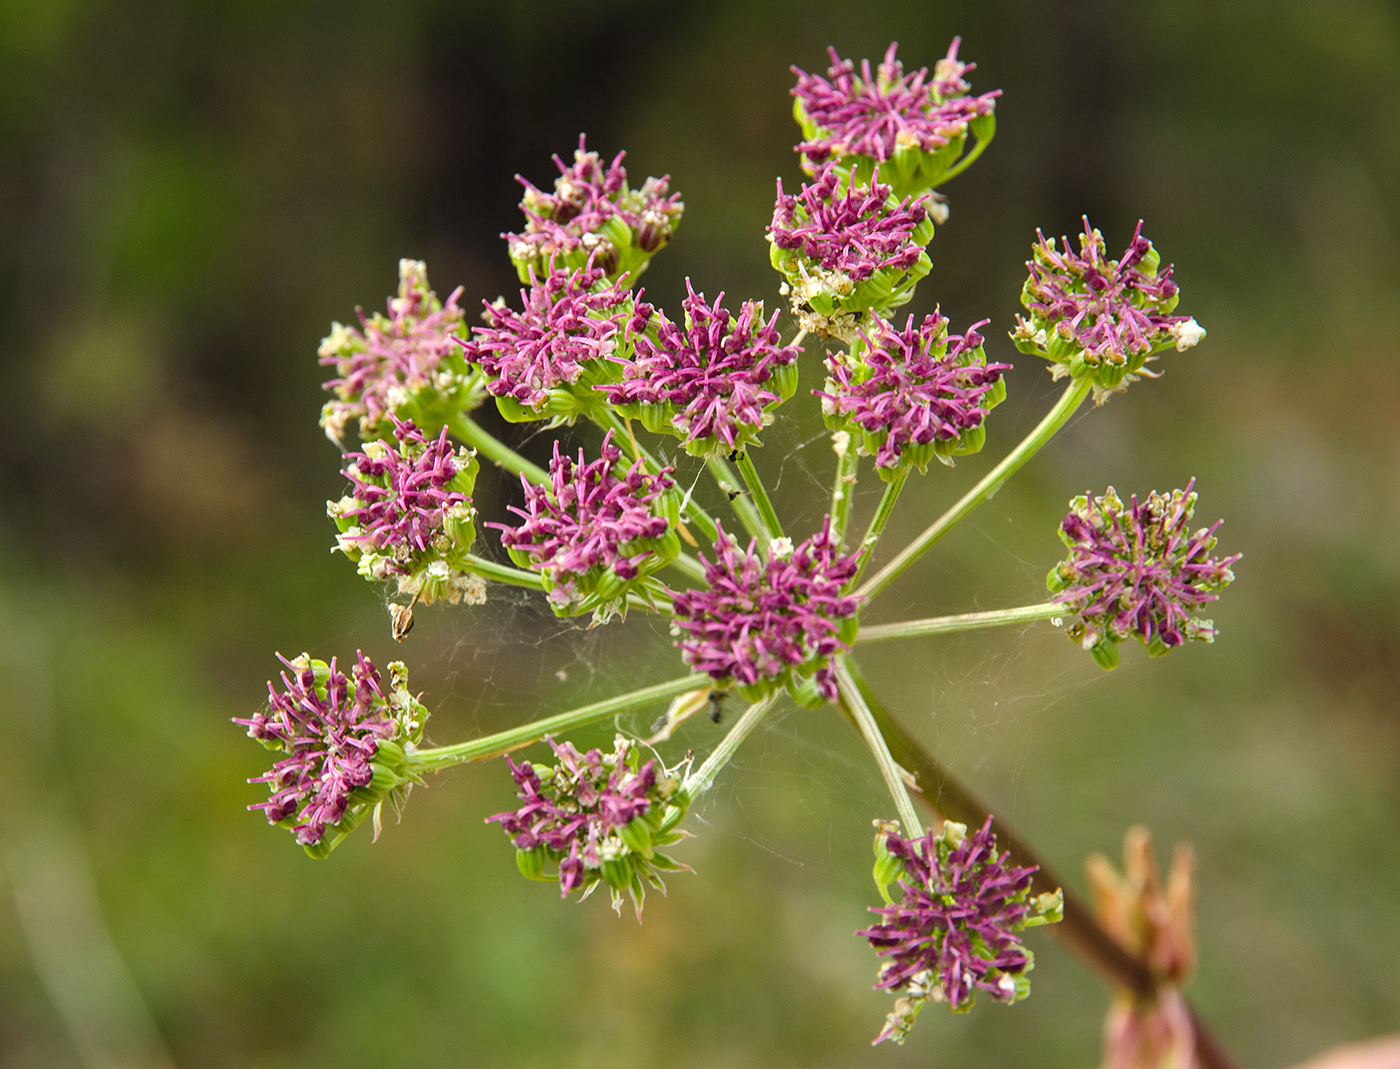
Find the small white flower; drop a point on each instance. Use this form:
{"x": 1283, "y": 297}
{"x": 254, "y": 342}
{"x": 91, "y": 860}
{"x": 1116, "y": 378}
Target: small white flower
{"x": 1188, "y": 334}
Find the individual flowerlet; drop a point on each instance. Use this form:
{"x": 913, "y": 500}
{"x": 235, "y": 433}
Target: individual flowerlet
{"x": 1157, "y": 926}
{"x": 771, "y": 621}
{"x": 954, "y": 928}
{"x": 409, "y": 517}
{"x": 545, "y": 360}
{"x": 912, "y": 395}
{"x": 595, "y": 818}
{"x": 914, "y": 128}
{"x": 594, "y": 535}
{"x": 1097, "y": 318}
{"x": 406, "y": 365}
{"x": 1138, "y": 570}
{"x": 846, "y": 248}
{"x": 593, "y": 216}
{"x": 714, "y": 382}
{"x": 350, "y": 744}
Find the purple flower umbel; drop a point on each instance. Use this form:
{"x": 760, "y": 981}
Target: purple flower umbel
{"x": 346, "y": 742}
{"x": 570, "y": 321}
{"x": 409, "y": 515}
{"x": 714, "y": 382}
{"x": 952, "y": 930}
{"x": 913, "y": 394}
{"x": 593, "y": 534}
{"x": 1138, "y": 570}
{"x": 881, "y": 113}
{"x": 406, "y": 364}
{"x": 846, "y": 247}
{"x": 774, "y": 622}
{"x": 595, "y": 818}
{"x": 592, "y": 215}
{"x": 1095, "y": 317}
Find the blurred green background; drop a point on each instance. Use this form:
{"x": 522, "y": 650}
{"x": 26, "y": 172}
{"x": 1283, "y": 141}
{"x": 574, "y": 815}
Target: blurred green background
{"x": 191, "y": 192}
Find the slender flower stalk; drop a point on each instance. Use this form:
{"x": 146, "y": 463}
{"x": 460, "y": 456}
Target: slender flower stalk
{"x": 968, "y": 621}
{"x": 468, "y": 430}
{"x": 883, "y": 512}
{"x": 703, "y": 778}
{"x": 1056, "y": 418}
{"x": 759, "y": 494}
{"x": 853, "y": 703}
{"x": 843, "y": 489}
{"x": 487, "y": 747}
{"x": 739, "y": 499}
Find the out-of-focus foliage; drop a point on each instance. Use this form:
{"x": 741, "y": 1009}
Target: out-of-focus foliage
{"x": 191, "y": 191}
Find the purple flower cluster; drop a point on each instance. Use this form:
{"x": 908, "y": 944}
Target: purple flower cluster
{"x": 592, "y": 215}
{"x": 915, "y": 393}
{"x": 849, "y": 228}
{"x": 570, "y": 321}
{"x": 1138, "y": 570}
{"x": 345, "y": 739}
{"x": 395, "y": 363}
{"x": 712, "y": 383}
{"x": 877, "y": 115}
{"x": 954, "y": 928}
{"x": 592, "y": 534}
{"x": 409, "y": 514}
{"x": 596, "y": 818}
{"x": 1092, "y": 316}
{"x": 764, "y": 623}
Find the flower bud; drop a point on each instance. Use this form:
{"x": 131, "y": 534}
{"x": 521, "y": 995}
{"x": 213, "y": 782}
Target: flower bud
{"x": 596, "y": 819}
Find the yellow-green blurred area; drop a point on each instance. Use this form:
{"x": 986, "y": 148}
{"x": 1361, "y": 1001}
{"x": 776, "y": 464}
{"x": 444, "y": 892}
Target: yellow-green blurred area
{"x": 191, "y": 192}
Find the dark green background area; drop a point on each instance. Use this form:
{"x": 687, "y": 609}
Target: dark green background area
{"x": 191, "y": 192}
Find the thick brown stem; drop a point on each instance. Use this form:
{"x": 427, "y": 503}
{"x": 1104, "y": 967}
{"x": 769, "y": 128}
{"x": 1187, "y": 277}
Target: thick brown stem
{"x": 1079, "y": 930}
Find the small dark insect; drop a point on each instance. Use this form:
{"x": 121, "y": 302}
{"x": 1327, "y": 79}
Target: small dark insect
{"x": 717, "y": 698}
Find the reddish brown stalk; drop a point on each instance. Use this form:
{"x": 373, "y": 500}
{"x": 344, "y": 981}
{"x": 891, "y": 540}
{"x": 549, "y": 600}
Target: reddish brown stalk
{"x": 1079, "y": 930}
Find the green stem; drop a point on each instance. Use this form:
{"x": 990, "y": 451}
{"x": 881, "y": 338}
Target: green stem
{"x": 611, "y": 421}
{"x": 700, "y": 781}
{"x": 1056, "y": 418}
{"x": 877, "y": 523}
{"x": 843, "y": 490}
{"x": 504, "y": 573}
{"x": 689, "y": 566}
{"x": 854, "y": 704}
{"x": 967, "y": 161}
{"x": 968, "y": 621}
{"x": 743, "y": 507}
{"x": 476, "y": 436}
{"x": 759, "y": 494}
{"x": 440, "y": 757}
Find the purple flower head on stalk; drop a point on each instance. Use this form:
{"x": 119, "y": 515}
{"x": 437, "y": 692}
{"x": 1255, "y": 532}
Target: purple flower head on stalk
{"x": 595, "y": 818}
{"x": 914, "y": 394}
{"x": 845, "y": 248}
{"x": 545, "y": 360}
{"x": 713, "y": 382}
{"x": 953, "y": 929}
{"x": 594, "y": 217}
{"x": 1097, "y": 318}
{"x": 1138, "y": 570}
{"x": 409, "y": 517}
{"x": 594, "y": 535}
{"x": 916, "y": 126}
{"x": 406, "y": 364}
{"x": 348, "y": 743}
{"x": 764, "y": 623}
